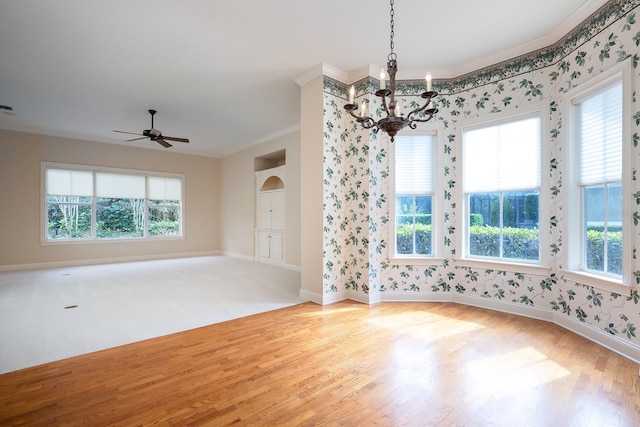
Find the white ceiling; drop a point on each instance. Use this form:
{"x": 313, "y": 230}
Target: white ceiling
{"x": 223, "y": 72}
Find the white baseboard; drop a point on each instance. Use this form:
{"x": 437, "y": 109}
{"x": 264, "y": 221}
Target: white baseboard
{"x": 276, "y": 263}
{"x": 611, "y": 342}
{"x": 506, "y": 307}
{"x": 96, "y": 261}
{"x": 323, "y": 299}
{"x": 598, "y": 336}
{"x": 293, "y": 267}
{"x": 414, "y": 297}
{"x": 238, "y": 256}
{"x": 311, "y": 296}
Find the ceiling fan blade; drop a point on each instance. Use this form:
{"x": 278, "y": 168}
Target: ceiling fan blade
{"x": 130, "y": 133}
{"x": 162, "y": 142}
{"x": 135, "y": 139}
{"x": 173, "y": 138}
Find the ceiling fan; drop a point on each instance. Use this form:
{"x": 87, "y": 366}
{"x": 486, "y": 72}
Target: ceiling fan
{"x": 154, "y": 134}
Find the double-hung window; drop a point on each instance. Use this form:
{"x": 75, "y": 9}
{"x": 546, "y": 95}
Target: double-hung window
{"x": 600, "y": 179}
{"x": 413, "y": 195}
{"x": 501, "y": 184}
{"x": 88, "y": 204}
{"x": 598, "y": 244}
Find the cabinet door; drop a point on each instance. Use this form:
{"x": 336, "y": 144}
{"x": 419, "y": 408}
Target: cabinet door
{"x": 264, "y": 211}
{"x": 264, "y": 243}
{"x": 275, "y": 246}
{"x": 277, "y": 210}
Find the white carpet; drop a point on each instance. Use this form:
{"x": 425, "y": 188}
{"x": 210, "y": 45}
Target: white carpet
{"x": 123, "y": 303}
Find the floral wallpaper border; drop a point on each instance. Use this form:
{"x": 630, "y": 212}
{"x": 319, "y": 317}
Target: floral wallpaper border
{"x": 610, "y": 12}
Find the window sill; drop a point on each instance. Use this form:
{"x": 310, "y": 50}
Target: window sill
{"x": 416, "y": 261}
{"x": 512, "y": 267}
{"x": 114, "y": 240}
{"x": 599, "y": 282}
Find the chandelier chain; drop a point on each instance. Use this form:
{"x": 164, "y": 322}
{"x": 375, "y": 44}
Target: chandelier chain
{"x": 391, "y": 24}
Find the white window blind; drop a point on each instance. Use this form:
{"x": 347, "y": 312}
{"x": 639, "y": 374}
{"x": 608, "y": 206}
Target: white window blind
{"x": 163, "y": 188}
{"x": 414, "y": 164}
{"x": 61, "y": 182}
{"x": 600, "y": 136}
{"x": 504, "y": 157}
{"x": 120, "y": 186}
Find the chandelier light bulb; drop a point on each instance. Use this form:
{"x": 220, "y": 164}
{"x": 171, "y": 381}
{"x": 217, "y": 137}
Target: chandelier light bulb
{"x": 383, "y": 79}
{"x": 428, "y": 79}
{"x": 352, "y": 94}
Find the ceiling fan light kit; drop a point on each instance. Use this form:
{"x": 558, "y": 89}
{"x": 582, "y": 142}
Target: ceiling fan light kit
{"x": 154, "y": 134}
{"x": 394, "y": 122}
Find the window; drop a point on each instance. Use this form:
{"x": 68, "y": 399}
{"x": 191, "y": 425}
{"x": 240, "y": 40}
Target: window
{"x": 501, "y": 181}
{"x": 84, "y": 204}
{"x": 413, "y": 196}
{"x": 596, "y": 203}
{"x": 599, "y": 133}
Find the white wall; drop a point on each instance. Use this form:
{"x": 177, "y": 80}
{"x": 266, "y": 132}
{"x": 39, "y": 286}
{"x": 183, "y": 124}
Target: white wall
{"x": 311, "y": 152}
{"x": 21, "y": 155}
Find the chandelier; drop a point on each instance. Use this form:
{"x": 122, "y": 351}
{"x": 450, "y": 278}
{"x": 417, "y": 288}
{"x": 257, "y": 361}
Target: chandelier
{"x": 395, "y": 121}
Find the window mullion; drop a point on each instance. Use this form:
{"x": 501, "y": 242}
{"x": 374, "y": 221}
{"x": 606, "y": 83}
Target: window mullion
{"x": 605, "y": 229}
{"x": 501, "y": 225}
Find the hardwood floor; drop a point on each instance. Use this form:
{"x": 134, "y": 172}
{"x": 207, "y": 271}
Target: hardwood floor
{"x": 422, "y": 364}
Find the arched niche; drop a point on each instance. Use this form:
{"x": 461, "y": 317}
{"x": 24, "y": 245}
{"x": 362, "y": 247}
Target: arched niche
{"x": 272, "y": 183}
{"x": 271, "y": 179}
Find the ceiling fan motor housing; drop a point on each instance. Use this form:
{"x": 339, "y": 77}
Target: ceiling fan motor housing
{"x": 152, "y": 133}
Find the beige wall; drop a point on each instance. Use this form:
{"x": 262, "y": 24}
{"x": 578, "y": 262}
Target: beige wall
{"x": 238, "y": 198}
{"x": 21, "y": 155}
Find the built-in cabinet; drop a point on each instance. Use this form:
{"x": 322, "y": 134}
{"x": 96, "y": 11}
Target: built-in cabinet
{"x": 270, "y": 215}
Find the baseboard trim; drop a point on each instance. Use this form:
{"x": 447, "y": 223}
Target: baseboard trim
{"x": 505, "y": 307}
{"x": 96, "y": 261}
{"x": 414, "y": 297}
{"x": 589, "y": 332}
{"x": 239, "y": 256}
{"x": 596, "y": 335}
{"x": 270, "y": 262}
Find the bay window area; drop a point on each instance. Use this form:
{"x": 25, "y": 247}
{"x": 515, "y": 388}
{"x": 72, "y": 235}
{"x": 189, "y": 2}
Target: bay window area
{"x": 83, "y": 204}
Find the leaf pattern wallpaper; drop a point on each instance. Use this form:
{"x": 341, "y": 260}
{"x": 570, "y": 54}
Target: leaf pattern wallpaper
{"x": 356, "y": 183}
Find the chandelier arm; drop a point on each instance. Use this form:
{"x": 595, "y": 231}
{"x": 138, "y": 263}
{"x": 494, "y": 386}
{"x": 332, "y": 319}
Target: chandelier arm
{"x": 366, "y": 121}
{"x": 428, "y": 96}
{"x": 416, "y": 111}
{"x": 413, "y": 122}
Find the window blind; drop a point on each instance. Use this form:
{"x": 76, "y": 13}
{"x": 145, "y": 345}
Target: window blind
{"x": 61, "y": 182}
{"x": 120, "y": 186}
{"x": 414, "y": 159}
{"x": 504, "y": 157}
{"x": 163, "y": 188}
{"x": 600, "y": 136}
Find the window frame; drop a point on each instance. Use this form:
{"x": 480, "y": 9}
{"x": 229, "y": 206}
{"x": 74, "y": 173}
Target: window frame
{"x": 573, "y": 200}
{"x": 541, "y": 111}
{"x": 44, "y": 217}
{"x": 437, "y": 214}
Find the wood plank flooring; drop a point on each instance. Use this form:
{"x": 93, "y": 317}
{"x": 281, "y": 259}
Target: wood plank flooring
{"x": 390, "y": 364}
